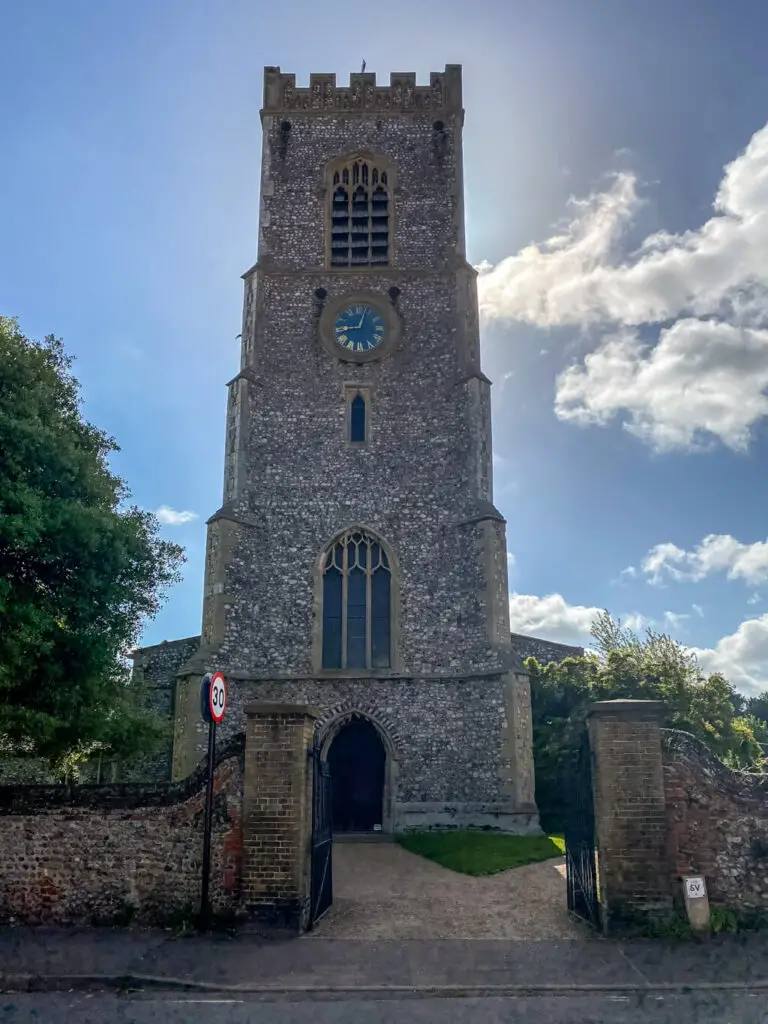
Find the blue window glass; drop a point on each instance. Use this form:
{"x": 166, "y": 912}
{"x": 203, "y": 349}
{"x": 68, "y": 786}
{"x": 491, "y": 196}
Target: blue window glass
{"x": 380, "y": 604}
{"x": 357, "y": 602}
{"x": 357, "y": 420}
{"x": 332, "y": 611}
{"x": 356, "y": 606}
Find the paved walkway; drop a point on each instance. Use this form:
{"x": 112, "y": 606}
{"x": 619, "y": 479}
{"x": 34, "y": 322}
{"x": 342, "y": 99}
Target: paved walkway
{"x": 381, "y": 891}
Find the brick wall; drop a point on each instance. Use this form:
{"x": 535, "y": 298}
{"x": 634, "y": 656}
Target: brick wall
{"x": 717, "y": 822}
{"x": 277, "y": 810}
{"x": 112, "y": 852}
{"x": 631, "y": 826}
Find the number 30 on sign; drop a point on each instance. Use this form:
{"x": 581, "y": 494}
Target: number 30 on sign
{"x": 218, "y": 697}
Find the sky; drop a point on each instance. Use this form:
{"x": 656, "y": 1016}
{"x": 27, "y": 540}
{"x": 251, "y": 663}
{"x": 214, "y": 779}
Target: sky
{"x": 616, "y": 177}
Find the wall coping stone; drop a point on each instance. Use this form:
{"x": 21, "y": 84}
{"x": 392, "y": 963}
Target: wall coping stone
{"x": 627, "y": 708}
{"x": 34, "y": 799}
{"x": 163, "y": 644}
{"x": 258, "y": 707}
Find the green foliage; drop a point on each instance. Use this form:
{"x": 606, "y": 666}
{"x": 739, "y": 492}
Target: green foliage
{"x": 482, "y": 853}
{"x": 80, "y": 569}
{"x": 624, "y": 666}
{"x": 723, "y": 919}
{"x": 758, "y": 708}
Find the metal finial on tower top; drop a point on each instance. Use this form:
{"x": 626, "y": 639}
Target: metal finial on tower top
{"x": 362, "y": 69}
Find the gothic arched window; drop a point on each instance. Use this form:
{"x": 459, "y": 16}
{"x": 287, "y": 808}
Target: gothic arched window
{"x": 357, "y": 603}
{"x": 360, "y": 221}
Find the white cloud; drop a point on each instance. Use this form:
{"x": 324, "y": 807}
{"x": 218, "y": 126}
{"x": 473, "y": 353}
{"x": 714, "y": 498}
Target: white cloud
{"x": 675, "y": 619}
{"x": 718, "y": 552}
{"x": 707, "y": 289}
{"x": 544, "y": 284}
{"x": 742, "y": 657}
{"x": 704, "y": 379}
{"x": 170, "y": 517}
{"x": 572, "y": 279}
{"x": 552, "y": 618}
{"x": 698, "y": 609}
{"x": 754, "y": 599}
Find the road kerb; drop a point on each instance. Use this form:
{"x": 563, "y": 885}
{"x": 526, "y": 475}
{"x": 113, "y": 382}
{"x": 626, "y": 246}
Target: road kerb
{"x": 21, "y": 982}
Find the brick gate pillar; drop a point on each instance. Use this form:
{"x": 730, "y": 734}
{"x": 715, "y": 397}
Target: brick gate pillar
{"x": 630, "y": 819}
{"x": 277, "y": 815}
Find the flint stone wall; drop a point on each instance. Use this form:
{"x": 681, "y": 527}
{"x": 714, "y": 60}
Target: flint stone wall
{"x": 155, "y": 668}
{"x": 97, "y": 854}
{"x": 543, "y": 651}
{"x": 717, "y": 823}
{"x": 453, "y": 741}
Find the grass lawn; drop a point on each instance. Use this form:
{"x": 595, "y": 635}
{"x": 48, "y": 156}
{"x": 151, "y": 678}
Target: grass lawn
{"x": 482, "y": 853}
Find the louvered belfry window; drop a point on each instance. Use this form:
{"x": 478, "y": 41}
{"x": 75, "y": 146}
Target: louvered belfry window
{"x": 360, "y": 215}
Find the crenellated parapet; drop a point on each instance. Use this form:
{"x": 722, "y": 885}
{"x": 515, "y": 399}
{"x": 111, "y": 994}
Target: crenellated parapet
{"x": 363, "y": 93}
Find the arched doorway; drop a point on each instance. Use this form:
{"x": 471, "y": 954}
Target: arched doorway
{"x": 357, "y": 760}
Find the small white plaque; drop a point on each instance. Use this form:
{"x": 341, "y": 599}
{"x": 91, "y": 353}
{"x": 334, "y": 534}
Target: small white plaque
{"x": 377, "y": 828}
{"x": 695, "y": 887}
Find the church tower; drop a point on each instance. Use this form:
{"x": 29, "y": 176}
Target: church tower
{"x": 357, "y": 562}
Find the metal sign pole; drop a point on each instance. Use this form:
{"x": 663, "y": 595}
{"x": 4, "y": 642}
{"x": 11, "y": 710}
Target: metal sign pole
{"x": 213, "y": 702}
{"x": 205, "y": 909}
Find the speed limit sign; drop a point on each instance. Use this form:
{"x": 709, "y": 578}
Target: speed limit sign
{"x": 218, "y": 697}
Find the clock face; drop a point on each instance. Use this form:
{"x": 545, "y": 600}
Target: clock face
{"x": 359, "y": 328}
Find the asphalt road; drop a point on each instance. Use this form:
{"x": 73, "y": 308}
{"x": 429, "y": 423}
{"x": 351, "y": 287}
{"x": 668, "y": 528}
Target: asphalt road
{"x": 692, "y": 1008}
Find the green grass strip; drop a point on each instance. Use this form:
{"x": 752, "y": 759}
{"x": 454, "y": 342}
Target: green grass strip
{"x": 482, "y": 853}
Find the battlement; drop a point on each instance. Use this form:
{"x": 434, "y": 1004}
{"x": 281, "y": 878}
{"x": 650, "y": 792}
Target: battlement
{"x": 363, "y": 94}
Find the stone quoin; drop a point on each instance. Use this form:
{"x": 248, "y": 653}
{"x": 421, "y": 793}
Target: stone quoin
{"x": 357, "y": 562}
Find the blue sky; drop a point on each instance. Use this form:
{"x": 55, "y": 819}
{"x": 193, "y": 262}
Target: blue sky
{"x": 625, "y": 315}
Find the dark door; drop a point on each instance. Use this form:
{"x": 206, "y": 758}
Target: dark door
{"x": 357, "y": 759}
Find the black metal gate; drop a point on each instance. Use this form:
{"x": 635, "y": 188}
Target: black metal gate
{"x": 321, "y": 895}
{"x": 580, "y": 862}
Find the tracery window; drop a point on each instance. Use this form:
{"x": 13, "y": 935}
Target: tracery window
{"x": 360, "y": 214}
{"x": 357, "y": 602}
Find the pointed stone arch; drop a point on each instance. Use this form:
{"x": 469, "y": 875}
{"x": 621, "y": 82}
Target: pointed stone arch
{"x": 390, "y": 557}
{"x": 334, "y": 720}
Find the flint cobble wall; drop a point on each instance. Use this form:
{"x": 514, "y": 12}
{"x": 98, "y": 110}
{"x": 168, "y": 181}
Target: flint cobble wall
{"x": 154, "y": 668}
{"x": 717, "y": 822}
{"x": 96, "y": 854}
{"x": 447, "y": 735}
{"x": 543, "y": 651}
{"x": 422, "y": 480}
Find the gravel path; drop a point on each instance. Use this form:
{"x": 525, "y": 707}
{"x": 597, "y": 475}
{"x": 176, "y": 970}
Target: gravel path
{"x": 381, "y": 891}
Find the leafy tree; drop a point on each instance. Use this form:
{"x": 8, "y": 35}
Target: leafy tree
{"x": 624, "y": 666}
{"x": 758, "y": 707}
{"x": 80, "y": 569}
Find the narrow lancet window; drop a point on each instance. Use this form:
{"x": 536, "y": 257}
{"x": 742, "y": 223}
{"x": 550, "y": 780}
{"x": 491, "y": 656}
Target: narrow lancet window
{"x": 357, "y": 419}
